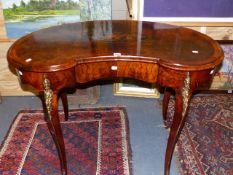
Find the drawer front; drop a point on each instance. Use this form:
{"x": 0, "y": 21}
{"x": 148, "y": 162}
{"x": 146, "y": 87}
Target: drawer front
{"x": 58, "y": 79}
{"x": 93, "y": 71}
{"x": 142, "y": 71}
{"x": 125, "y": 69}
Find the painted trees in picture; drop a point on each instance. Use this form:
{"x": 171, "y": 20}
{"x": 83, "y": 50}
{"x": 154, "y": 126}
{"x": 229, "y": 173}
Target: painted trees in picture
{"x": 25, "y": 16}
{"x": 24, "y": 10}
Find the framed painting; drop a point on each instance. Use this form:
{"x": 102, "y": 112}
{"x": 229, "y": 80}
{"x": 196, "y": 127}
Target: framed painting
{"x": 188, "y": 13}
{"x": 135, "y": 88}
{"x": 25, "y": 16}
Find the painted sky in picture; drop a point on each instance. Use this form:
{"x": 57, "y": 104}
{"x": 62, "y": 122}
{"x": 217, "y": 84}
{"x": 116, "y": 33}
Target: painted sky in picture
{"x": 8, "y": 3}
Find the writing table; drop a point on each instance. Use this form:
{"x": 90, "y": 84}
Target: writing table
{"x": 58, "y": 57}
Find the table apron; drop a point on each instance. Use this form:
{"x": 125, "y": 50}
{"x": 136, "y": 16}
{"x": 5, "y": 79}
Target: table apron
{"x": 175, "y": 78}
{"x": 58, "y": 80}
{"x": 86, "y": 72}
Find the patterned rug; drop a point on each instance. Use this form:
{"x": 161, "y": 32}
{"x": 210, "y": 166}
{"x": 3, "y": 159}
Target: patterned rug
{"x": 96, "y": 142}
{"x": 205, "y": 146}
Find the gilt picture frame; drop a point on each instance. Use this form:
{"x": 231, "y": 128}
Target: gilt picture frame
{"x": 136, "y": 88}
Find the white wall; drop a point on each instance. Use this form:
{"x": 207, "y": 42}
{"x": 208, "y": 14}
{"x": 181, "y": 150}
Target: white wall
{"x": 119, "y": 10}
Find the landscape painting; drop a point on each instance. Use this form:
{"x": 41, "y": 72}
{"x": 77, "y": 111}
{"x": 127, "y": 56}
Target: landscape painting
{"x": 25, "y": 16}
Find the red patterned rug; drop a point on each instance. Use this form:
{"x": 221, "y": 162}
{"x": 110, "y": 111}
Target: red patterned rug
{"x": 96, "y": 143}
{"x": 205, "y": 146}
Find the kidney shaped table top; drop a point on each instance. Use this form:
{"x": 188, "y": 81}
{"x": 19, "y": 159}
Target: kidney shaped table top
{"x": 58, "y": 57}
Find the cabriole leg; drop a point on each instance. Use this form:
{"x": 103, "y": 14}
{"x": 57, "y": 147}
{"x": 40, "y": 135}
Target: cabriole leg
{"x": 182, "y": 99}
{"x": 51, "y": 108}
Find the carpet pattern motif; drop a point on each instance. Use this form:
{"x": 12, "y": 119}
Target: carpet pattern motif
{"x": 205, "y": 146}
{"x": 96, "y": 142}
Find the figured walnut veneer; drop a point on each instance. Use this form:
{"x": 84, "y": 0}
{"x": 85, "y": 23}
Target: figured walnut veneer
{"x": 58, "y": 57}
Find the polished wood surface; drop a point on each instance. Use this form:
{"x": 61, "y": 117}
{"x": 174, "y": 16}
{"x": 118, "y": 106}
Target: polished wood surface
{"x": 59, "y": 57}
{"x": 64, "y": 46}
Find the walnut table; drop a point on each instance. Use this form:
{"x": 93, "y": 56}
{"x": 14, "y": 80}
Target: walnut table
{"x": 58, "y": 57}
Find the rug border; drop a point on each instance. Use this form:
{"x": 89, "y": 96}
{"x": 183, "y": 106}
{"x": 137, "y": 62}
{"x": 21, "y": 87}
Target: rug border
{"x": 98, "y": 108}
{"x": 177, "y": 154}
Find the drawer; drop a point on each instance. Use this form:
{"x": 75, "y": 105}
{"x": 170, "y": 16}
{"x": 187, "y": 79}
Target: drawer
{"x": 93, "y": 71}
{"x": 138, "y": 70}
{"x": 125, "y": 69}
